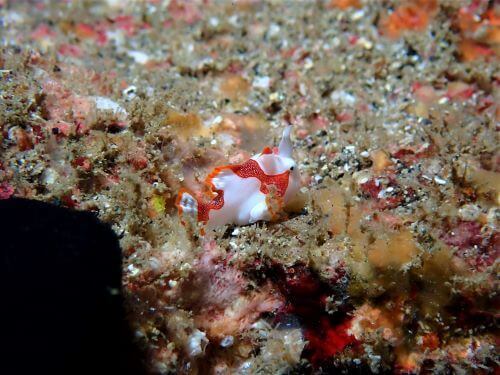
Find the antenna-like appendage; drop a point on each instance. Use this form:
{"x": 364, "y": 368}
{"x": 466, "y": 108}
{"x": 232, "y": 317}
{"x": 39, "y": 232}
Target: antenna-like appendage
{"x": 285, "y": 148}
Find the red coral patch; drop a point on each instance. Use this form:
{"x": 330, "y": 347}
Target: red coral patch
{"x": 328, "y": 339}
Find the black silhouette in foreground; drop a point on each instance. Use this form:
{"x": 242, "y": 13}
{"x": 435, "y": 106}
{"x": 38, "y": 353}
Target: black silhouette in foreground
{"x": 61, "y": 302}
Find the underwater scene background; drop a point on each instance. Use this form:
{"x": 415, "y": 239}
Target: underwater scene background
{"x": 386, "y": 258}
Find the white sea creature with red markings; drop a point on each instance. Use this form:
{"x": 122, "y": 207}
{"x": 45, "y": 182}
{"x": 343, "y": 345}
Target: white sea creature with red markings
{"x": 241, "y": 194}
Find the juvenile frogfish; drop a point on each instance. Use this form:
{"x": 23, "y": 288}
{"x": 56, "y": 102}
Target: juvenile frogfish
{"x": 241, "y": 194}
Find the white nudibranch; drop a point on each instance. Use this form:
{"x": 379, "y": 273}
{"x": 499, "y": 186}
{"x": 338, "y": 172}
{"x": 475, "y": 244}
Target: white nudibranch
{"x": 257, "y": 189}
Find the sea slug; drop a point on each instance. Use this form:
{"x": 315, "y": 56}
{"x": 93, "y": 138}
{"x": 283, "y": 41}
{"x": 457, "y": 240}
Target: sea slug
{"x": 241, "y": 194}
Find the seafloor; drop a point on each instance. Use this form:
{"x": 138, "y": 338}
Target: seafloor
{"x": 387, "y": 261}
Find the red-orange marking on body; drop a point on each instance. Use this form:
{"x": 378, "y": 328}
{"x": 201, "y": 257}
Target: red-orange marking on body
{"x": 266, "y": 151}
{"x": 250, "y": 168}
{"x": 215, "y": 204}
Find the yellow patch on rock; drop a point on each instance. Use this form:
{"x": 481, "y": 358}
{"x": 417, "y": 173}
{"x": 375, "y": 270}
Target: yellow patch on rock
{"x": 485, "y": 182}
{"x": 156, "y": 206}
{"x": 234, "y": 87}
{"x": 394, "y": 251}
{"x": 380, "y": 160}
{"x": 332, "y": 204}
{"x": 185, "y": 124}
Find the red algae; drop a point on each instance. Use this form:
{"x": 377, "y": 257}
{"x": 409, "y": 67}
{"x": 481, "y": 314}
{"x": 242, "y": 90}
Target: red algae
{"x": 6, "y": 191}
{"x": 186, "y": 11}
{"x": 480, "y": 30}
{"x": 328, "y": 340}
{"x": 307, "y": 295}
{"x": 410, "y": 16}
{"x": 477, "y": 247}
{"x": 70, "y": 50}
{"x": 43, "y": 31}
{"x": 464, "y": 235}
{"x": 345, "y": 4}
{"x": 86, "y": 31}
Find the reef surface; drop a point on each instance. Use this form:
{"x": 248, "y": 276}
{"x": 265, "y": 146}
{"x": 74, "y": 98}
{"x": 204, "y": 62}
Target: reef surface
{"x": 387, "y": 261}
